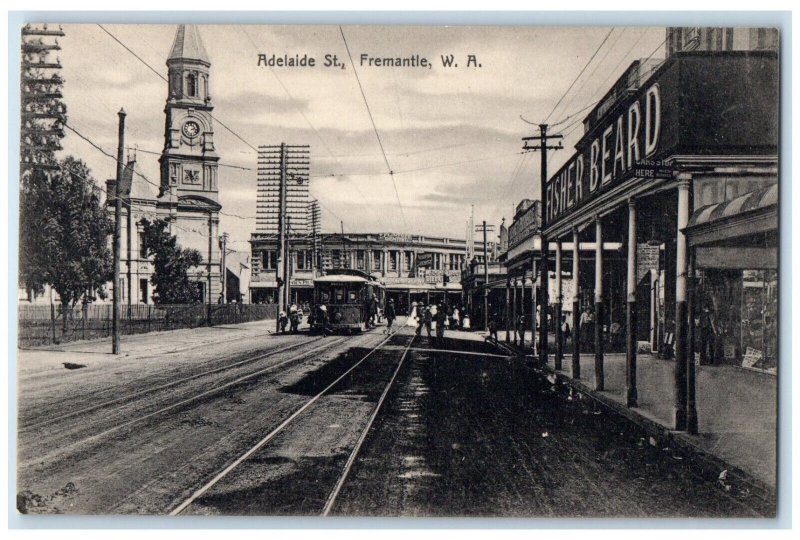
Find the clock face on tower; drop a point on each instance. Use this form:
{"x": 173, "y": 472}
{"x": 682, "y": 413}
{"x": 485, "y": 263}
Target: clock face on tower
{"x": 191, "y": 129}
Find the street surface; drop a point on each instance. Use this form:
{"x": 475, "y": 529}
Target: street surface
{"x": 264, "y": 424}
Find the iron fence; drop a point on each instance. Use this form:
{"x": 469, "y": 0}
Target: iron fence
{"x": 52, "y": 324}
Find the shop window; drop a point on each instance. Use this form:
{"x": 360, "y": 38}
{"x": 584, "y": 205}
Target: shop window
{"x": 759, "y": 332}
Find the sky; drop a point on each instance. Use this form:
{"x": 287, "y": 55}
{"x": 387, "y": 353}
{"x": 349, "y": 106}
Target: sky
{"x": 451, "y": 136}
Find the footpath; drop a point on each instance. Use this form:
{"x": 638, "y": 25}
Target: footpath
{"x": 146, "y": 346}
{"x": 736, "y": 408}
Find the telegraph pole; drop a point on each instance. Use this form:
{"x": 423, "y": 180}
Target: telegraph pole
{"x": 341, "y": 223}
{"x": 117, "y": 232}
{"x": 543, "y": 275}
{"x": 287, "y": 265}
{"x": 279, "y": 254}
{"x": 210, "y": 241}
{"x": 485, "y": 228}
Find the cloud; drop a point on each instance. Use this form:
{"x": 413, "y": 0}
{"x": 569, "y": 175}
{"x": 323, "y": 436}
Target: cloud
{"x": 451, "y": 136}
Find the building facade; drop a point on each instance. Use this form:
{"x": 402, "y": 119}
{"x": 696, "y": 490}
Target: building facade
{"x": 697, "y": 130}
{"x": 412, "y": 267}
{"x": 188, "y": 193}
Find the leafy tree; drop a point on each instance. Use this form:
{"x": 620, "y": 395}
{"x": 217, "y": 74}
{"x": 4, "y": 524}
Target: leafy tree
{"x": 64, "y": 233}
{"x": 171, "y": 264}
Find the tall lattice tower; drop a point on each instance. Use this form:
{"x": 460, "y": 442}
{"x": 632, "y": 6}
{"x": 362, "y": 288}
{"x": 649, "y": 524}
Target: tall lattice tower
{"x": 42, "y": 114}
{"x": 291, "y": 163}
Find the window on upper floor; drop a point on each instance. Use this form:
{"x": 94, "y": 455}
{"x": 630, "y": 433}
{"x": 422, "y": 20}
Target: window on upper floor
{"x": 142, "y": 247}
{"x": 191, "y": 85}
{"x": 268, "y": 260}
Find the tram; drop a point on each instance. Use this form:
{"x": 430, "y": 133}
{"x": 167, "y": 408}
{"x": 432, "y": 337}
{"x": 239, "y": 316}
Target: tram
{"x": 342, "y": 300}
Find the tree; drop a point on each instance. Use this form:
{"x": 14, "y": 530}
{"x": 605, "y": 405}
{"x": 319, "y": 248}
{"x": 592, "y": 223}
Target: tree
{"x": 64, "y": 233}
{"x": 171, "y": 264}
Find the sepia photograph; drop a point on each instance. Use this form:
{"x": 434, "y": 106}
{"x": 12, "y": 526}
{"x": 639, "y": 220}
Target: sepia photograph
{"x": 378, "y": 270}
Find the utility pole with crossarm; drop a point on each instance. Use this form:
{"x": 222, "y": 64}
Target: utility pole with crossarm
{"x": 543, "y": 147}
{"x": 484, "y": 228}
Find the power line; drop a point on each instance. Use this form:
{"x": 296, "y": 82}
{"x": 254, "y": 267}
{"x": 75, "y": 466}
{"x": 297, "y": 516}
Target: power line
{"x": 307, "y": 120}
{"x": 595, "y": 68}
{"x": 610, "y": 75}
{"x": 145, "y": 178}
{"x": 579, "y": 74}
{"x": 137, "y": 149}
{"x": 151, "y": 68}
{"x": 374, "y": 127}
{"x": 406, "y": 171}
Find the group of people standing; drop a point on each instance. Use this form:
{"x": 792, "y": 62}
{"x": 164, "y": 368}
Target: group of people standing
{"x": 292, "y": 319}
{"x": 434, "y": 317}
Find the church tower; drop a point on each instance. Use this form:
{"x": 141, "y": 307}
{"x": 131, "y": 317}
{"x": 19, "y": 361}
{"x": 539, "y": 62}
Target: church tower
{"x": 189, "y": 160}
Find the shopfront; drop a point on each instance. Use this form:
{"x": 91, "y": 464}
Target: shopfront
{"x": 660, "y": 143}
{"x": 734, "y": 247}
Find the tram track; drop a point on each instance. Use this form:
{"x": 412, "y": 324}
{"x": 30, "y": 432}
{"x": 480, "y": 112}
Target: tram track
{"x": 181, "y": 505}
{"x": 246, "y": 359}
{"x": 75, "y": 445}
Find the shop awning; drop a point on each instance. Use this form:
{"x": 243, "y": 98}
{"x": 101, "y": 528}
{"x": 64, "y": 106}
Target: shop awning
{"x": 754, "y": 200}
{"x": 737, "y": 234}
{"x": 732, "y": 222}
{"x": 263, "y": 284}
{"x": 452, "y": 287}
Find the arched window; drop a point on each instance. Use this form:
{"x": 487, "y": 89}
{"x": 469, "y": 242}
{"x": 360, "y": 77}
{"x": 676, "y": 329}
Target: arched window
{"x": 191, "y": 85}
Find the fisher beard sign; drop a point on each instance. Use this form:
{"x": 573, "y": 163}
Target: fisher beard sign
{"x": 620, "y": 149}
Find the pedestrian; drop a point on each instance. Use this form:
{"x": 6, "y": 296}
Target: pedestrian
{"x": 708, "y": 335}
{"x": 324, "y": 321}
{"x": 456, "y": 318}
{"x": 587, "y": 329}
{"x": 283, "y": 320}
{"x": 390, "y": 316}
{"x": 413, "y": 316}
{"x": 294, "y": 319}
{"x": 493, "y": 326}
{"x": 373, "y": 313}
{"x": 519, "y": 327}
{"x": 441, "y": 320}
{"x": 420, "y": 318}
{"x": 565, "y": 332}
{"x": 427, "y": 319}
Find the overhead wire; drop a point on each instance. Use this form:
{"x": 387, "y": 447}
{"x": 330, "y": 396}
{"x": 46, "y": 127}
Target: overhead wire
{"x": 374, "y": 127}
{"x": 139, "y": 174}
{"x": 225, "y": 126}
{"x": 307, "y": 120}
{"x": 566, "y": 130}
{"x": 597, "y": 65}
{"x": 151, "y": 68}
{"x": 579, "y": 74}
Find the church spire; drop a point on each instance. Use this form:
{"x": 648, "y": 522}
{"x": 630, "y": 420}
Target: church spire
{"x": 188, "y": 45}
